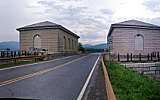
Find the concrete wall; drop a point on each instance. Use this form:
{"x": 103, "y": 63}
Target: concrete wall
{"x": 124, "y": 41}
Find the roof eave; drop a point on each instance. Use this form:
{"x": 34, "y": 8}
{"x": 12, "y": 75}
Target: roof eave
{"x": 68, "y": 31}
{"x": 36, "y": 28}
{"x": 110, "y": 30}
{"x": 134, "y": 26}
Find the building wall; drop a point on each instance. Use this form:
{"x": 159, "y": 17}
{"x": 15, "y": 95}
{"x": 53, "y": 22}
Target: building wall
{"x": 124, "y": 40}
{"x": 65, "y": 45}
{"x": 49, "y": 39}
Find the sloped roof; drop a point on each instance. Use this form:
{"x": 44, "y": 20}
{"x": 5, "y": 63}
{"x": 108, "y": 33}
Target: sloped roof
{"x": 133, "y": 24}
{"x": 46, "y": 25}
{"x": 41, "y": 24}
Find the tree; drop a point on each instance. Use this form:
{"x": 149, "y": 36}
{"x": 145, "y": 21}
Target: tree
{"x": 80, "y": 47}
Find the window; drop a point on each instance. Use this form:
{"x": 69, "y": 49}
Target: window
{"x": 75, "y": 44}
{"x": 139, "y": 42}
{"x": 69, "y": 43}
{"x": 36, "y": 41}
{"x": 65, "y": 42}
{"x": 72, "y": 44}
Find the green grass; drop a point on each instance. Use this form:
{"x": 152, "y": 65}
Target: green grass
{"x": 130, "y": 85}
{"x": 19, "y": 62}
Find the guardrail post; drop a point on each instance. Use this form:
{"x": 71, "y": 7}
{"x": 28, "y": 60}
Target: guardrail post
{"x": 14, "y": 53}
{"x": 148, "y": 57}
{"x": 118, "y": 57}
{"x": 158, "y": 55}
{"x": 131, "y": 56}
{"x": 19, "y": 53}
{"x": 2, "y": 54}
{"x": 7, "y": 53}
{"x": 151, "y": 56}
{"x": 139, "y": 56}
{"x": 25, "y": 53}
{"x": 127, "y": 57}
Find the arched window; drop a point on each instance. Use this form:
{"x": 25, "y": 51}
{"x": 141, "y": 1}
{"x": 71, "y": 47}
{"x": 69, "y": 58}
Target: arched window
{"x": 37, "y": 41}
{"x": 139, "y": 42}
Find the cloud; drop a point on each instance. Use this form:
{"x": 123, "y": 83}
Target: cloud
{"x": 75, "y": 15}
{"x": 15, "y": 14}
{"x": 107, "y": 11}
{"x": 77, "y": 19}
{"x": 153, "y": 5}
{"x": 11, "y": 15}
{"x": 155, "y": 21}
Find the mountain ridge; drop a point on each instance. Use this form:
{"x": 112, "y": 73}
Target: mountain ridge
{"x": 12, "y": 45}
{"x": 97, "y": 46}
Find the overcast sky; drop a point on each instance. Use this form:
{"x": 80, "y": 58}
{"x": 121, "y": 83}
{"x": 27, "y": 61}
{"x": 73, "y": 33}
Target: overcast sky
{"x": 90, "y": 19}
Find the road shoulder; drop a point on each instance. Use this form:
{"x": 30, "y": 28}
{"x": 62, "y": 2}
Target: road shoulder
{"x": 96, "y": 88}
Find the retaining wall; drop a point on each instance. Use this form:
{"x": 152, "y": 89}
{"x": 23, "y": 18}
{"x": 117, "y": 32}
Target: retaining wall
{"x": 144, "y": 68}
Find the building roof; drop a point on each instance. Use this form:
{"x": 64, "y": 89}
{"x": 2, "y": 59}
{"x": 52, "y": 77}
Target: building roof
{"x": 133, "y": 24}
{"x": 46, "y": 25}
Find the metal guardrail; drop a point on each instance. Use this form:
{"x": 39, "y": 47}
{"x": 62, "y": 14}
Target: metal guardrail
{"x": 109, "y": 90}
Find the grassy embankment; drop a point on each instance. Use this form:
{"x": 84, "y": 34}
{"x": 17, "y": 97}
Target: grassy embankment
{"x": 130, "y": 85}
{"x": 19, "y": 62}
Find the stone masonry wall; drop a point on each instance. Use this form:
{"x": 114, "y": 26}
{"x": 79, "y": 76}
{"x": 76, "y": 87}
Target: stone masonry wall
{"x": 67, "y": 47}
{"x": 124, "y": 41}
{"x": 144, "y": 68}
{"x": 49, "y": 39}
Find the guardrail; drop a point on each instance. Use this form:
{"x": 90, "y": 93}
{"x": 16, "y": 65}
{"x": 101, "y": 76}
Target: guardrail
{"x": 21, "y": 58}
{"x": 109, "y": 90}
{"x": 154, "y": 56}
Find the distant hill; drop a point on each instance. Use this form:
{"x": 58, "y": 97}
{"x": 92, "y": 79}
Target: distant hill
{"x": 98, "y": 46}
{"x": 13, "y": 45}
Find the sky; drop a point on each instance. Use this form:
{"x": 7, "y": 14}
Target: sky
{"x": 90, "y": 19}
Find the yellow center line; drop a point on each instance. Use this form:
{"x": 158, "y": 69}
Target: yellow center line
{"x": 37, "y": 73}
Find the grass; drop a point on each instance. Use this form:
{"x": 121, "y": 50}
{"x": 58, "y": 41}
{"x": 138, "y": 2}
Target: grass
{"x": 19, "y": 62}
{"x": 130, "y": 85}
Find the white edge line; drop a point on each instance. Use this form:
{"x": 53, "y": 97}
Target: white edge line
{"x": 35, "y": 63}
{"x": 87, "y": 81}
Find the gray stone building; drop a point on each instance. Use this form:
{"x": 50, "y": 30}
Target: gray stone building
{"x": 48, "y": 36}
{"x": 134, "y": 37}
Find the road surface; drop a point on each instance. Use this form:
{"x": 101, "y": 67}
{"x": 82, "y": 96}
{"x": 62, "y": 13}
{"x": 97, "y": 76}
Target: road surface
{"x": 61, "y": 79}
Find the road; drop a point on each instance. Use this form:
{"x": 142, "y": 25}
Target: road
{"x": 61, "y": 79}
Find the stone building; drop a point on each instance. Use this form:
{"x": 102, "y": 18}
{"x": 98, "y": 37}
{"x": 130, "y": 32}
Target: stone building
{"x": 48, "y": 36}
{"x": 134, "y": 37}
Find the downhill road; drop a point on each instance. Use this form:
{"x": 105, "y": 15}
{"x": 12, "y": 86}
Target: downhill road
{"x": 61, "y": 79}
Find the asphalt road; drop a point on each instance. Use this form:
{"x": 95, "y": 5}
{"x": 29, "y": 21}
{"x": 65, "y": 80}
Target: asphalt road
{"x": 60, "y": 79}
